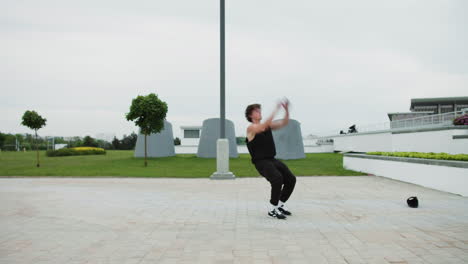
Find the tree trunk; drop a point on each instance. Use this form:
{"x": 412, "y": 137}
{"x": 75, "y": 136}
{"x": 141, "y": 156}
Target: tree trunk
{"x": 37, "y": 151}
{"x": 146, "y": 163}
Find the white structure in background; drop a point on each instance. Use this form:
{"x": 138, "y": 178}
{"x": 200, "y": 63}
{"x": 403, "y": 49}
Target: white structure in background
{"x": 59, "y": 146}
{"x": 190, "y": 140}
{"x": 424, "y": 133}
{"x": 430, "y": 129}
{"x": 310, "y": 140}
{"x": 315, "y": 144}
{"x": 434, "y": 133}
{"x": 190, "y": 135}
{"x": 444, "y": 175}
{"x": 50, "y": 142}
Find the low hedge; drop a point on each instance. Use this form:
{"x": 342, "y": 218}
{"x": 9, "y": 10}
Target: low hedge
{"x": 461, "y": 120}
{"x": 75, "y": 151}
{"x": 421, "y": 155}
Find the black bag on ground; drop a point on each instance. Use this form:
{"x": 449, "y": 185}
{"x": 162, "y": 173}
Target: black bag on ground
{"x": 413, "y": 202}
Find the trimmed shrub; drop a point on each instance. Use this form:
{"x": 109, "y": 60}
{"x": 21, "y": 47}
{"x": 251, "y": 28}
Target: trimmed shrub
{"x": 75, "y": 151}
{"x": 422, "y": 155}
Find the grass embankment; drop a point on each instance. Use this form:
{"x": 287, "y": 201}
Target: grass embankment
{"x": 122, "y": 163}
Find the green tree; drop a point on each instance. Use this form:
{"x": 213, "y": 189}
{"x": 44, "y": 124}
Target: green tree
{"x": 103, "y": 144}
{"x": 30, "y": 141}
{"x": 34, "y": 121}
{"x": 128, "y": 142}
{"x": 10, "y": 142}
{"x": 88, "y": 141}
{"x": 148, "y": 113}
{"x": 2, "y": 139}
{"x": 75, "y": 142}
{"x": 60, "y": 140}
{"x": 116, "y": 143}
{"x": 177, "y": 141}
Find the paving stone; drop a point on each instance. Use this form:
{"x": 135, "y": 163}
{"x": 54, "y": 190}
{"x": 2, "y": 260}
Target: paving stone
{"x": 142, "y": 220}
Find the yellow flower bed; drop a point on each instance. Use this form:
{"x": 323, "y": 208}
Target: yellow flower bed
{"x": 87, "y": 148}
{"x": 76, "y": 151}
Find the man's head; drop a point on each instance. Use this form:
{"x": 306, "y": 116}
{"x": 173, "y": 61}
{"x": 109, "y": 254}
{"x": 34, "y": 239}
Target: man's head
{"x": 253, "y": 111}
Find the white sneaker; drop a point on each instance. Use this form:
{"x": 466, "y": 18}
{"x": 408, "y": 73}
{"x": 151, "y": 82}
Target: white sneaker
{"x": 284, "y": 210}
{"x": 276, "y": 214}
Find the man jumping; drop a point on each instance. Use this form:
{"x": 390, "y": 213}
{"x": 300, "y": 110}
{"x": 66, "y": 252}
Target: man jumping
{"x": 262, "y": 150}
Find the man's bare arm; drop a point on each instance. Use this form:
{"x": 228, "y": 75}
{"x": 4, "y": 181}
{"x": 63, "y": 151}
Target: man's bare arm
{"x": 258, "y": 128}
{"x": 283, "y": 122}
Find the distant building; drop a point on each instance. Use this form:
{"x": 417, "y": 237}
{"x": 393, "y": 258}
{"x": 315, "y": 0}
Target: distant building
{"x": 407, "y": 115}
{"x": 430, "y": 106}
{"x": 190, "y": 135}
{"x": 439, "y": 105}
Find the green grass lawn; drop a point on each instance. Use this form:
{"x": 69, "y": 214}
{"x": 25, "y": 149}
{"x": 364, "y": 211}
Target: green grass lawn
{"x": 122, "y": 163}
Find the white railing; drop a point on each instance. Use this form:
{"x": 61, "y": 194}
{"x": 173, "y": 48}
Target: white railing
{"x": 437, "y": 120}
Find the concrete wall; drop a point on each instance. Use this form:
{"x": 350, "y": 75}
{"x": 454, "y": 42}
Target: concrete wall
{"x": 363, "y": 142}
{"x": 310, "y": 141}
{"x": 186, "y": 149}
{"x": 318, "y": 149}
{"x": 445, "y": 178}
{"x": 189, "y": 141}
{"x": 434, "y": 140}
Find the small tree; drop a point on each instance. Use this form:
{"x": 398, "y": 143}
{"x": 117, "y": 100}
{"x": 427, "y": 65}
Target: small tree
{"x": 116, "y": 143}
{"x": 88, "y": 141}
{"x": 128, "y": 142}
{"x": 148, "y": 113}
{"x": 2, "y": 139}
{"x": 34, "y": 121}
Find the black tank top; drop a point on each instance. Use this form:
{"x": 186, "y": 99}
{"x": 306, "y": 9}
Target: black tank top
{"x": 262, "y": 146}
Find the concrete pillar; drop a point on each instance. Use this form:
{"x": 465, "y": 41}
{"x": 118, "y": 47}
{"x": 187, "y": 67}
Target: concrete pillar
{"x": 222, "y": 161}
{"x": 158, "y": 145}
{"x": 288, "y": 141}
{"x": 211, "y": 133}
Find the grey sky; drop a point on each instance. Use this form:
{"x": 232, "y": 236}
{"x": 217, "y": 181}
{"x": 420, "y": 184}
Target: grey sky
{"x": 80, "y": 63}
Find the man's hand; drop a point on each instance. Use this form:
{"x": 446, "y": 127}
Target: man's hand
{"x": 283, "y": 122}
{"x": 285, "y": 104}
{"x": 278, "y": 105}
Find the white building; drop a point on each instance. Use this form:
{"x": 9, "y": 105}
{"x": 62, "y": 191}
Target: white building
{"x": 190, "y": 135}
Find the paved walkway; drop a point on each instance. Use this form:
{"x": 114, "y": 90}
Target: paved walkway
{"x": 136, "y": 220}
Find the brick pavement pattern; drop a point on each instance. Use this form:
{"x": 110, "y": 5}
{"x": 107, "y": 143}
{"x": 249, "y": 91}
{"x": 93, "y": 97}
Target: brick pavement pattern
{"x": 146, "y": 220}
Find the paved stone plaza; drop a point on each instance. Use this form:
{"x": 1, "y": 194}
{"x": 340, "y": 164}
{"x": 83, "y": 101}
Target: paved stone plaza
{"x": 137, "y": 220}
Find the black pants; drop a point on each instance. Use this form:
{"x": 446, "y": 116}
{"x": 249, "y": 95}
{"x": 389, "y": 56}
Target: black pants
{"x": 280, "y": 177}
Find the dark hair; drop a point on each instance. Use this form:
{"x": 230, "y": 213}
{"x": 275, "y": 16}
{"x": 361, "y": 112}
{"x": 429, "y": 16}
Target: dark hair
{"x": 249, "y": 109}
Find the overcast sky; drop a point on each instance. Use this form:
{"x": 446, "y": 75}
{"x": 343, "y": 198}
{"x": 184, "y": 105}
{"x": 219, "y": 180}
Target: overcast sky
{"x": 80, "y": 63}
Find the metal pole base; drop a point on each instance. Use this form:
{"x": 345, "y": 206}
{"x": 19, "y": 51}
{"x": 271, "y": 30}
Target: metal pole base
{"x": 223, "y": 176}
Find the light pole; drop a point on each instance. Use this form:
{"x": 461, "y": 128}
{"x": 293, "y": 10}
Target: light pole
{"x": 222, "y": 145}
{"x": 222, "y": 73}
